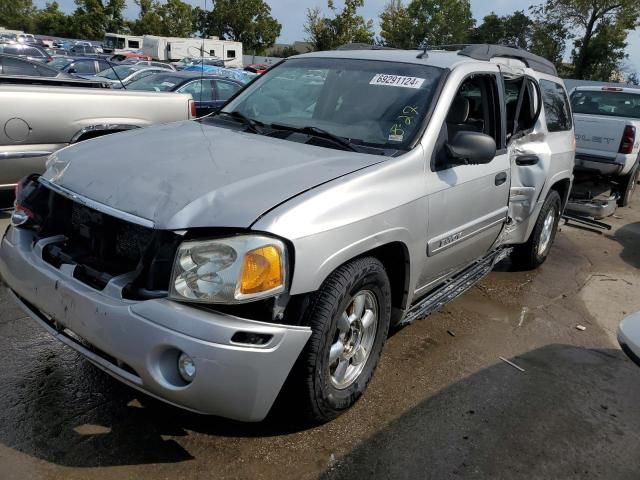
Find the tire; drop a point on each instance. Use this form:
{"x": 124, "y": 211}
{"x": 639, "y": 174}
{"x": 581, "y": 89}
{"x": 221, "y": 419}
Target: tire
{"x": 532, "y": 254}
{"x": 315, "y": 380}
{"x": 628, "y": 186}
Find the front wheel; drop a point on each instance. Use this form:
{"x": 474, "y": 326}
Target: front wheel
{"x": 532, "y": 254}
{"x": 349, "y": 318}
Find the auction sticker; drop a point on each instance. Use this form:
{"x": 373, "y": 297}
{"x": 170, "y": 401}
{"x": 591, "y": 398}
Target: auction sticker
{"x": 396, "y": 81}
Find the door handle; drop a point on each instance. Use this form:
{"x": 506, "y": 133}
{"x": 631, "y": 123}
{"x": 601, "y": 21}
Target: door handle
{"x": 527, "y": 160}
{"x": 501, "y": 178}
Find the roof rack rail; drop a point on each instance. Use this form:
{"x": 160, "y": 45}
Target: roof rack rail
{"x": 363, "y": 46}
{"x": 487, "y": 52}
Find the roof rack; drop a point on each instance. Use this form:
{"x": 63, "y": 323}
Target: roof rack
{"x": 363, "y": 46}
{"x": 487, "y": 52}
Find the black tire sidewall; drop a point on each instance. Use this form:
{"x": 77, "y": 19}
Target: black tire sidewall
{"x": 367, "y": 275}
{"x": 552, "y": 201}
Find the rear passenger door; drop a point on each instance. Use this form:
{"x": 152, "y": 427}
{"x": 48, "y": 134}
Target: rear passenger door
{"x": 224, "y": 91}
{"x": 468, "y": 206}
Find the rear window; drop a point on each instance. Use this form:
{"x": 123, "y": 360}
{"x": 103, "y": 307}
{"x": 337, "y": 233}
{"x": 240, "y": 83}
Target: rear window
{"x": 556, "y": 106}
{"x": 613, "y": 104}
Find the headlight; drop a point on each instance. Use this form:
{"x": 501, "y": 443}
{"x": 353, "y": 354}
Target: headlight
{"x": 229, "y": 270}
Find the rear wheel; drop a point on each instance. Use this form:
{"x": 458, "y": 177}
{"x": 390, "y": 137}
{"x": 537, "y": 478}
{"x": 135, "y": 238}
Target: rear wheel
{"x": 349, "y": 318}
{"x": 628, "y": 187}
{"x": 532, "y": 254}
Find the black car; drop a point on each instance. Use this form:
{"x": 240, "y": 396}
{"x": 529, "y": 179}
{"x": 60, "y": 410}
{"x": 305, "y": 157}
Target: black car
{"x": 80, "y": 66}
{"x": 20, "y": 66}
{"x": 210, "y": 92}
{"x": 30, "y": 52}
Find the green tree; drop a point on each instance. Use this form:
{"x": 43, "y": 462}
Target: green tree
{"x": 176, "y": 18}
{"x": 513, "y": 30}
{"x": 441, "y": 22}
{"x": 17, "y": 14}
{"x": 115, "y": 22}
{"x": 284, "y": 52}
{"x": 51, "y": 21}
{"x": 347, "y": 26}
{"x": 549, "y": 36}
{"x": 149, "y": 21}
{"x": 246, "y": 21}
{"x": 396, "y": 26}
{"x": 88, "y": 20}
{"x": 603, "y": 26}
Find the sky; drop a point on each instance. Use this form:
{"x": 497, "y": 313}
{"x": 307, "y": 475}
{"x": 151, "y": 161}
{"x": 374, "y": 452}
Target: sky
{"x": 292, "y": 13}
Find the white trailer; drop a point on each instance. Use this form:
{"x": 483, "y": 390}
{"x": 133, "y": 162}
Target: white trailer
{"x": 175, "y": 48}
{"x": 117, "y": 43}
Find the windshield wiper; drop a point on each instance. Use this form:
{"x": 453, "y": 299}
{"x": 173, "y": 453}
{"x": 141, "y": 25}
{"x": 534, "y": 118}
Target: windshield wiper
{"x": 318, "y": 132}
{"x": 249, "y": 122}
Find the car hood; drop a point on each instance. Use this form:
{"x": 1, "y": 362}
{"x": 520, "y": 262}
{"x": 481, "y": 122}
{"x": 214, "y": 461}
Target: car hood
{"x": 188, "y": 174}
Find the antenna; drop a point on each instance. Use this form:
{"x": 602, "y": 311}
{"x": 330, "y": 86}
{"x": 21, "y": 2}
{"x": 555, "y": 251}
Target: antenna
{"x": 202, "y": 55}
{"x": 424, "y": 54}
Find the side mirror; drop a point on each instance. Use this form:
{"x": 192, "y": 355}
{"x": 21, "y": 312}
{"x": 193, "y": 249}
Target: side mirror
{"x": 471, "y": 148}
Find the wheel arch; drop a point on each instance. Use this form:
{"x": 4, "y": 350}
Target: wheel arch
{"x": 97, "y": 130}
{"x": 563, "y": 187}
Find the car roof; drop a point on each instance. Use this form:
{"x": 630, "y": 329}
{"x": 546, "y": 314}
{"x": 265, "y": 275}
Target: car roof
{"x": 194, "y": 74}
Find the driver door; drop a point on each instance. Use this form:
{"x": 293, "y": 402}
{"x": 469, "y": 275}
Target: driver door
{"x": 469, "y": 203}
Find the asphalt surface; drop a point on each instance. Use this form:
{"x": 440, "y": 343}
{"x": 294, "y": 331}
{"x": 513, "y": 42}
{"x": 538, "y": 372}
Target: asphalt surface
{"x": 441, "y": 405}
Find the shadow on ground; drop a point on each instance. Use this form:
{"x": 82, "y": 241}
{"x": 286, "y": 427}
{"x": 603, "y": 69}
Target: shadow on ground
{"x": 629, "y": 237}
{"x": 571, "y": 414}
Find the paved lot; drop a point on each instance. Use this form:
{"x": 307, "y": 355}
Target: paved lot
{"x": 440, "y": 406}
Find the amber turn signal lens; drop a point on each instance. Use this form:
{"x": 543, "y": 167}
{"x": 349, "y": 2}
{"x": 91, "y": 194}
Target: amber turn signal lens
{"x": 261, "y": 270}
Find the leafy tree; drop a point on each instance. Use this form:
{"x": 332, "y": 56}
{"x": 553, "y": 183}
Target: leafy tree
{"x": 441, "y": 22}
{"x": 284, "y": 52}
{"x": 549, "y": 36}
{"x": 88, "y": 20}
{"x": 113, "y": 12}
{"x": 149, "y": 21}
{"x": 603, "y": 26}
{"x": 633, "y": 79}
{"x": 246, "y": 21}
{"x": 396, "y": 26}
{"x": 17, "y": 14}
{"x": 176, "y": 18}
{"x": 51, "y": 21}
{"x": 512, "y": 30}
{"x": 345, "y": 27}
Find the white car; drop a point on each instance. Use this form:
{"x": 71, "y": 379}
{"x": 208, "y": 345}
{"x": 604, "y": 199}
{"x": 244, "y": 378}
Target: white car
{"x": 123, "y": 74}
{"x": 607, "y": 126}
{"x": 629, "y": 336}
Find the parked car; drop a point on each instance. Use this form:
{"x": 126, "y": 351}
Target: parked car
{"x": 206, "y": 262}
{"x": 147, "y": 63}
{"x": 120, "y": 57}
{"x": 123, "y": 74}
{"x": 85, "y": 66}
{"x": 608, "y": 135}
{"x": 8, "y": 37}
{"x": 20, "y": 66}
{"x": 57, "y": 52}
{"x": 83, "y": 50}
{"x": 39, "y": 120}
{"x": 30, "y": 52}
{"x": 26, "y": 38}
{"x": 629, "y": 337}
{"x": 258, "y": 68}
{"x": 209, "y": 92}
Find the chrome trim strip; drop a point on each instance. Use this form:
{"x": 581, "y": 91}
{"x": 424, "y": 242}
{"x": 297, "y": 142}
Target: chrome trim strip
{"x": 104, "y": 127}
{"x": 34, "y": 153}
{"x": 462, "y": 233}
{"x": 100, "y": 207}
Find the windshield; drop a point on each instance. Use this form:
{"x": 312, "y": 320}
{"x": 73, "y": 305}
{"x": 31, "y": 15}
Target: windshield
{"x": 156, "y": 83}
{"x": 120, "y": 72}
{"x": 614, "y": 104}
{"x": 381, "y": 104}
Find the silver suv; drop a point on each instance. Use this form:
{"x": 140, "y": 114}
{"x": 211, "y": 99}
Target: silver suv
{"x": 210, "y": 262}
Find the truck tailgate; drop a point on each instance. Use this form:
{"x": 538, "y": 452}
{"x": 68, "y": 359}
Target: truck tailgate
{"x": 597, "y": 135}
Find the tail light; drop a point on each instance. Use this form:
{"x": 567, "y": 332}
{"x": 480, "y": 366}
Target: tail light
{"x": 628, "y": 140}
{"x": 192, "y": 109}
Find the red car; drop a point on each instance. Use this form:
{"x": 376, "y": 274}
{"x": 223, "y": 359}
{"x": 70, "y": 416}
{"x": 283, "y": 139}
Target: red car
{"x": 258, "y": 68}
{"x": 119, "y": 57}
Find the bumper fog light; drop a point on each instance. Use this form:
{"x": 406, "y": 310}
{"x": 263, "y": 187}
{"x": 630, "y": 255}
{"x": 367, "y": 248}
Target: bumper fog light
{"x": 186, "y": 367}
{"x": 251, "y": 338}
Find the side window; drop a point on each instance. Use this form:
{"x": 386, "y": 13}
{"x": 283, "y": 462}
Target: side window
{"x": 556, "y": 106}
{"x": 16, "y": 67}
{"x": 476, "y": 108}
{"x": 134, "y": 44}
{"x": 231, "y": 53}
{"x": 46, "y": 72}
{"x": 521, "y": 105}
{"x": 200, "y": 90}
{"x": 120, "y": 43}
{"x": 226, "y": 90}
{"x": 84, "y": 67}
{"x": 102, "y": 65}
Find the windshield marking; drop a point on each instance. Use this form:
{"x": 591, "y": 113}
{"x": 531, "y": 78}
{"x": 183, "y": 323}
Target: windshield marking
{"x": 396, "y": 81}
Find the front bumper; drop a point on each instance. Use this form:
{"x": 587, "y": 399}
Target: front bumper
{"x": 629, "y": 337}
{"x": 139, "y": 342}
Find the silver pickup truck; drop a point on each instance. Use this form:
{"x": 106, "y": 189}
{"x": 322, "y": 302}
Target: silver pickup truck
{"x": 607, "y": 125}
{"x": 36, "y": 121}
{"x": 343, "y": 192}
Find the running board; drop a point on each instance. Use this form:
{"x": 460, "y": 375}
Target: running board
{"x": 455, "y": 286}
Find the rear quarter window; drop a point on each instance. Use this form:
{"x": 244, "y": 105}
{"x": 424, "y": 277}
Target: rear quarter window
{"x": 556, "y": 106}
